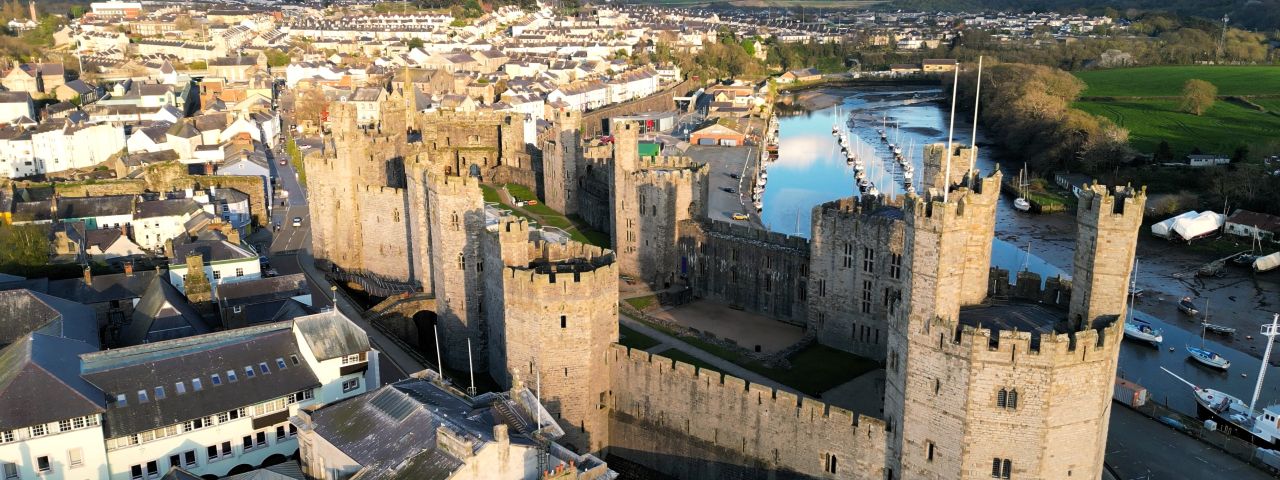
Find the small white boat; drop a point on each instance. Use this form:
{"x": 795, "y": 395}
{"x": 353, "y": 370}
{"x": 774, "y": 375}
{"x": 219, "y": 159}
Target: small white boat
{"x": 1185, "y": 306}
{"x": 1143, "y": 331}
{"x": 1022, "y": 204}
{"x": 872, "y": 190}
{"x": 1208, "y": 358}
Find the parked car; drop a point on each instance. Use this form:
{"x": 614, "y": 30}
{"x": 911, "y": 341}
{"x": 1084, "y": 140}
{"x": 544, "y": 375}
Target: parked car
{"x": 740, "y": 216}
{"x": 297, "y": 221}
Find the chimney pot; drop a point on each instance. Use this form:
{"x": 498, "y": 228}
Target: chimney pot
{"x": 88, "y": 276}
{"x": 128, "y": 269}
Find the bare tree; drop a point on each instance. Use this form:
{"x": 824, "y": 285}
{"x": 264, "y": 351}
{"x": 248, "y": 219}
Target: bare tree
{"x": 1198, "y": 96}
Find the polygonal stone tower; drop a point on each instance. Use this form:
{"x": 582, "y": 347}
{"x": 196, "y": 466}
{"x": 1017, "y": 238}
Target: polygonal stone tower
{"x": 1105, "y": 247}
{"x": 455, "y": 220}
{"x": 560, "y": 155}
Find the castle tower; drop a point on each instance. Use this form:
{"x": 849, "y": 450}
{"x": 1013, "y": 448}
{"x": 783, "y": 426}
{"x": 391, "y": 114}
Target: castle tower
{"x": 1106, "y": 233}
{"x": 31, "y": 6}
{"x": 561, "y": 315}
{"x": 935, "y": 166}
{"x": 560, "y": 156}
{"x": 650, "y": 197}
{"x": 331, "y": 190}
{"x": 1005, "y": 389}
{"x": 455, "y": 207}
{"x": 979, "y": 208}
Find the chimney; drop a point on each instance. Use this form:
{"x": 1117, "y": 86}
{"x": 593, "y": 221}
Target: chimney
{"x": 500, "y": 433}
{"x": 233, "y": 235}
{"x": 88, "y": 276}
{"x": 124, "y": 230}
{"x": 208, "y": 168}
{"x": 168, "y": 248}
{"x": 128, "y": 269}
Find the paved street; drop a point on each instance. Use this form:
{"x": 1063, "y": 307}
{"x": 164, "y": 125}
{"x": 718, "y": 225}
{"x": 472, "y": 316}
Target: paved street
{"x": 726, "y": 162}
{"x": 1139, "y": 448}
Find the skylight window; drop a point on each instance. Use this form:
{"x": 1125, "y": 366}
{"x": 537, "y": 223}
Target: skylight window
{"x": 180, "y": 387}
{"x": 159, "y": 393}
{"x": 216, "y": 379}
{"x": 248, "y": 372}
{"x": 280, "y": 364}
{"x": 262, "y": 368}
{"x": 122, "y": 400}
{"x": 231, "y": 375}
{"x": 142, "y": 396}
{"x": 195, "y": 385}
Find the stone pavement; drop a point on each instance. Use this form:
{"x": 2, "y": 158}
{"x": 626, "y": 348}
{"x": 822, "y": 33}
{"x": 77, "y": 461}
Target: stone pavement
{"x": 672, "y": 343}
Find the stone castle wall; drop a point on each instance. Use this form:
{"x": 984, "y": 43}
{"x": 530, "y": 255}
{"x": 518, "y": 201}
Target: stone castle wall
{"x": 692, "y": 424}
{"x": 455, "y": 207}
{"x": 560, "y": 159}
{"x": 595, "y": 123}
{"x": 857, "y": 273}
{"x": 385, "y": 233}
{"x": 758, "y": 270}
{"x": 476, "y": 143}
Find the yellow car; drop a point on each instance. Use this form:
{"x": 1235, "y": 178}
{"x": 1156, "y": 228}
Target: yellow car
{"x": 740, "y": 216}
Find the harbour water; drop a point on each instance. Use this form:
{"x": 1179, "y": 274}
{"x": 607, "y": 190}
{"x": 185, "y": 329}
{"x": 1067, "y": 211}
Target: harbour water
{"x": 811, "y": 169}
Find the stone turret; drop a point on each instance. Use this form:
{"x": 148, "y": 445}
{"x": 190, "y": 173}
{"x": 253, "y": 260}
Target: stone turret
{"x": 1106, "y": 238}
{"x": 455, "y": 207}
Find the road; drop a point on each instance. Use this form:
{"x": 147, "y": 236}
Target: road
{"x": 725, "y": 163}
{"x": 1139, "y": 448}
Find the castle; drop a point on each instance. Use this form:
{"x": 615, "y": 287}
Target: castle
{"x": 983, "y": 378}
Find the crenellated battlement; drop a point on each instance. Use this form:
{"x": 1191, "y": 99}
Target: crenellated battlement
{"x": 383, "y": 190}
{"x": 554, "y": 252}
{"x": 757, "y": 235}
{"x": 1056, "y": 349}
{"x": 452, "y": 184}
{"x": 1123, "y": 205}
{"x": 563, "y": 280}
{"x": 1029, "y": 286}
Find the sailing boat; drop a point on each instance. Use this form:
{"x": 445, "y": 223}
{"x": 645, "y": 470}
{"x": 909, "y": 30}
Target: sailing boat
{"x": 1021, "y": 202}
{"x": 1138, "y": 329}
{"x": 835, "y": 121}
{"x": 1205, "y": 356}
{"x": 1261, "y": 428}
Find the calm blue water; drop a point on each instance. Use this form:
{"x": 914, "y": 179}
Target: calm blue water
{"x": 811, "y": 170}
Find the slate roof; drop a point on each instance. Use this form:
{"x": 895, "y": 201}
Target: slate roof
{"x": 102, "y": 238}
{"x": 103, "y": 288}
{"x": 211, "y": 251}
{"x": 263, "y": 288}
{"x": 162, "y": 314}
{"x": 163, "y": 364}
{"x": 23, "y": 312}
{"x": 87, "y": 207}
{"x": 383, "y": 428}
{"x": 40, "y": 382}
{"x": 330, "y": 335}
{"x": 166, "y": 208}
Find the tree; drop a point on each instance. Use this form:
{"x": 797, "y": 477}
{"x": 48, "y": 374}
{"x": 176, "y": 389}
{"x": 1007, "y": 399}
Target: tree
{"x": 1198, "y": 96}
{"x": 415, "y": 43}
{"x": 1163, "y": 152}
{"x": 24, "y": 245}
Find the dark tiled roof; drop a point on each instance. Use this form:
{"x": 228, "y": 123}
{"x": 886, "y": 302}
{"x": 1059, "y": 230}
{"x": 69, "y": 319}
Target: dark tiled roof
{"x": 211, "y": 251}
{"x": 162, "y": 314}
{"x": 163, "y": 364}
{"x": 23, "y": 312}
{"x": 86, "y": 207}
{"x": 166, "y": 208}
{"x": 40, "y": 382}
{"x": 283, "y": 286}
{"x": 103, "y": 288}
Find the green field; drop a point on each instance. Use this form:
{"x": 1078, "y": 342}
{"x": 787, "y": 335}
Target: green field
{"x": 1224, "y": 127}
{"x": 1145, "y": 101}
{"x": 1168, "y": 81}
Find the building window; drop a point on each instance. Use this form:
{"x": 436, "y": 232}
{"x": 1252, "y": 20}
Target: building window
{"x": 175, "y": 461}
{"x": 248, "y": 443}
{"x": 195, "y": 384}
{"x": 868, "y": 260}
{"x": 216, "y": 274}
{"x": 280, "y": 364}
{"x": 10, "y": 470}
{"x": 159, "y": 393}
{"x": 848, "y": 256}
{"x": 212, "y": 452}
{"x": 135, "y": 472}
{"x": 226, "y": 449}
{"x": 1001, "y": 468}
{"x": 260, "y": 439}
{"x": 189, "y": 458}
{"x": 6, "y": 436}
{"x": 240, "y": 272}
{"x": 930, "y": 453}
{"x": 895, "y": 265}
{"x": 217, "y": 379}
{"x": 42, "y": 464}
{"x": 1007, "y": 399}
{"x": 39, "y": 430}
{"x": 231, "y": 375}
{"x": 822, "y": 288}
{"x": 78, "y": 422}
{"x": 248, "y": 372}
{"x": 564, "y": 321}
{"x": 280, "y": 435}
{"x": 830, "y": 466}
{"x": 453, "y": 221}
{"x": 64, "y": 425}
{"x": 262, "y": 368}
{"x": 350, "y": 385}
{"x": 294, "y": 359}
{"x": 180, "y": 387}
{"x": 866, "y": 296}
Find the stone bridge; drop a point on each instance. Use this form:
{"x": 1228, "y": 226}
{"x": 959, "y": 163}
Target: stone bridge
{"x": 409, "y": 317}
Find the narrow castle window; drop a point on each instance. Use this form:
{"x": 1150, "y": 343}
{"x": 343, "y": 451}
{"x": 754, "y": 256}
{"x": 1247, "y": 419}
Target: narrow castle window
{"x": 930, "y": 454}
{"x": 868, "y": 260}
{"x": 455, "y": 220}
{"x": 395, "y": 215}
{"x": 564, "y": 321}
{"x": 1013, "y": 399}
{"x": 1001, "y": 467}
{"x": 895, "y": 266}
{"x": 1002, "y": 398}
{"x": 462, "y": 262}
{"x": 848, "y": 255}
{"x": 866, "y": 296}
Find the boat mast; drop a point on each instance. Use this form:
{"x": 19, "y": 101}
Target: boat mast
{"x": 946, "y": 178}
{"x": 973, "y": 145}
{"x": 1269, "y": 331}
{"x": 1133, "y": 288}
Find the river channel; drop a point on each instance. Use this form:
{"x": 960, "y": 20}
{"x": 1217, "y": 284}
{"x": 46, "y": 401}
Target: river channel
{"x": 811, "y": 169}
